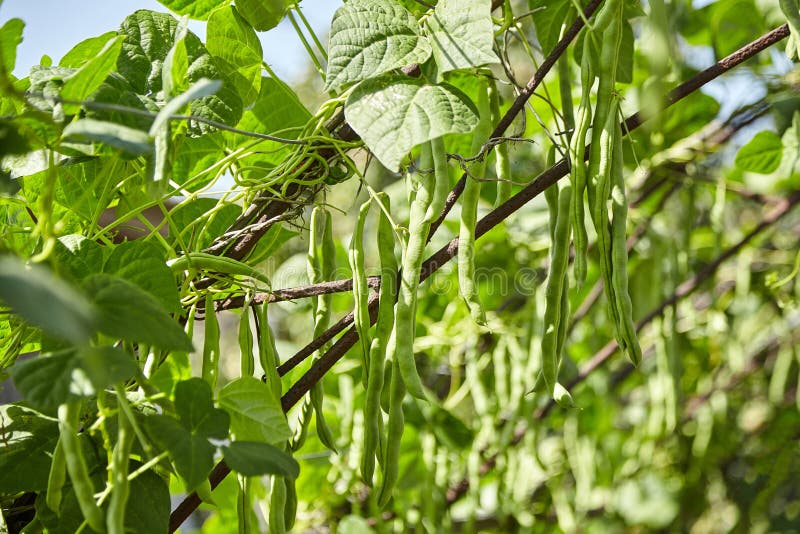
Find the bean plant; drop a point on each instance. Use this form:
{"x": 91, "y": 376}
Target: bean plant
{"x": 227, "y": 302}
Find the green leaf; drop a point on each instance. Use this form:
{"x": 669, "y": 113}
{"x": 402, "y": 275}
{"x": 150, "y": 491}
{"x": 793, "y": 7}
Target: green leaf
{"x": 461, "y": 33}
{"x": 393, "y": 114}
{"x": 173, "y": 370}
{"x": 149, "y": 38}
{"x": 148, "y": 508}
{"x": 116, "y": 90}
{"x": 86, "y": 50}
{"x": 193, "y": 156}
{"x": 106, "y": 365}
{"x": 79, "y": 255}
{"x": 199, "y": 89}
{"x": 548, "y": 17}
{"x": 277, "y": 111}
{"x": 12, "y": 140}
{"x": 46, "y": 301}
{"x": 29, "y": 438}
{"x": 92, "y": 74}
{"x": 263, "y": 15}
{"x": 127, "y": 139}
{"x": 195, "y": 408}
{"x": 237, "y": 50}
{"x": 253, "y": 459}
{"x": 174, "y": 72}
{"x": 193, "y": 456}
{"x": 51, "y": 379}
{"x": 733, "y": 24}
{"x": 255, "y": 414}
{"x": 143, "y": 264}
{"x": 195, "y": 9}
{"x": 762, "y": 154}
{"x": 225, "y": 106}
{"x": 10, "y": 38}
{"x": 371, "y": 37}
{"x": 127, "y": 312}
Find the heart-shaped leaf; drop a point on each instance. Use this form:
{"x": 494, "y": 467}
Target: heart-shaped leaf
{"x": 461, "y": 33}
{"x": 252, "y": 459}
{"x": 371, "y": 37}
{"x": 392, "y": 114}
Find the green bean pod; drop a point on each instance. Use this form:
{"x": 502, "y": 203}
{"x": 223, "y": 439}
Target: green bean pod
{"x": 441, "y": 182}
{"x": 419, "y": 225}
{"x": 563, "y": 321}
{"x": 303, "y": 422}
{"x": 290, "y": 507}
{"x": 556, "y": 287}
{"x": 355, "y": 254}
{"x": 502, "y": 163}
{"x": 267, "y": 352}
{"x": 601, "y": 152}
{"x": 277, "y": 506}
{"x": 578, "y": 169}
{"x": 243, "y": 504}
{"x": 469, "y": 212}
{"x": 377, "y": 355}
{"x": 56, "y": 478}
{"x": 120, "y": 456}
{"x": 619, "y": 250}
{"x": 610, "y": 19}
{"x": 565, "y": 86}
{"x": 391, "y": 463}
{"x": 321, "y": 266}
{"x": 211, "y": 346}
{"x": 247, "y": 364}
{"x": 602, "y": 221}
{"x": 68, "y": 421}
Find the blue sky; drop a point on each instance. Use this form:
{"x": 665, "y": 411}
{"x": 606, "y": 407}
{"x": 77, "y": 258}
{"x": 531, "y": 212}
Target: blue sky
{"x": 52, "y": 27}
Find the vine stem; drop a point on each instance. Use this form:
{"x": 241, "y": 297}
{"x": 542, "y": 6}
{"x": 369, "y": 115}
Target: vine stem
{"x": 502, "y": 212}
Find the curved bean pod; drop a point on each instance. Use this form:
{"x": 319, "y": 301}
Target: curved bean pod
{"x": 120, "y": 456}
{"x": 56, "y": 478}
{"x": 419, "y": 224}
{"x": 322, "y": 264}
{"x": 377, "y": 353}
{"x": 578, "y": 167}
{"x": 391, "y": 464}
{"x": 68, "y": 421}
{"x": 355, "y": 254}
{"x": 502, "y": 165}
{"x": 211, "y": 346}
{"x": 559, "y": 256}
{"x": 469, "y": 213}
{"x": 619, "y": 250}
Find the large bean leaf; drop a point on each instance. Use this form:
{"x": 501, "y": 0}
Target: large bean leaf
{"x": 371, "y": 37}
{"x": 392, "y": 114}
{"x": 461, "y": 33}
